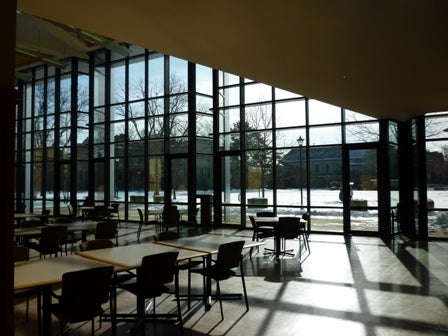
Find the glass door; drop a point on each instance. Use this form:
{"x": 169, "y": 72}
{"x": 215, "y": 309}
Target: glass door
{"x": 360, "y": 192}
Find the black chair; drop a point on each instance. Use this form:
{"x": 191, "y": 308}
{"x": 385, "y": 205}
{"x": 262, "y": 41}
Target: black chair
{"x": 72, "y": 237}
{"x": 229, "y": 257}
{"x": 72, "y": 213}
{"x": 95, "y": 244}
{"x": 29, "y": 239}
{"x": 183, "y": 265}
{"x": 288, "y": 228}
{"x": 100, "y": 213}
{"x": 51, "y": 241}
{"x": 107, "y": 230}
{"x": 170, "y": 218}
{"x": 82, "y": 295}
{"x": 261, "y": 231}
{"x": 155, "y": 273}
{"x": 22, "y": 253}
{"x": 118, "y": 278}
{"x": 44, "y": 216}
{"x": 265, "y": 214}
{"x": 143, "y": 222}
{"x": 115, "y": 212}
{"x": 192, "y": 220}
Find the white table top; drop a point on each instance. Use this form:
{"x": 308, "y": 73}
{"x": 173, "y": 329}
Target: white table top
{"x": 207, "y": 243}
{"x": 48, "y": 271}
{"x": 266, "y": 219}
{"x": 130, "y": 256}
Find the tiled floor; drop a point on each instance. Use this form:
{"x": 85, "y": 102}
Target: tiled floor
{"x": 346, "y": 286}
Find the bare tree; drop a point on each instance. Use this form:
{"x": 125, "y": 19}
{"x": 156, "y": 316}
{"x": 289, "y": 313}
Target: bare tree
{"x": 259, "y": 143}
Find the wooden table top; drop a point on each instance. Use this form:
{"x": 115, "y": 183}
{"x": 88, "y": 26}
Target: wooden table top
{"x": 27, "y": 215}
{"x": 71, "y": 227}
{"x": 40, "y": 272}
{"x": 130, "y": 256}
{"x": 207, "y": 243}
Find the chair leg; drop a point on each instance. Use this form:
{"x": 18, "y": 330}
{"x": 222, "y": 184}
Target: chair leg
{"x": 139, "y": 230}
{"x": 189, "y": 289}
{"x": 27, "y": 307}
{"x": 179, "y": 313}
{"x": 244, "y": 286}
{"x": 218, "y": 293}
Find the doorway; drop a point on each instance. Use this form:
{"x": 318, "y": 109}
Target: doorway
{"x": 360, "y": 190}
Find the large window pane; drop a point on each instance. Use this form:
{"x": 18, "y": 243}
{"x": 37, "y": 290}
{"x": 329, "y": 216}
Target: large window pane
{"x": 323, "y": 113}
{"x": 290, "y": 114}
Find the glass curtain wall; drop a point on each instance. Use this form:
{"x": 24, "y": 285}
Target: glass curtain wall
{"x": 51, "y": 145}
{"x": 111, "y": 130}
{"x": 436, "y": 130}
{"x": 282, "y": 152}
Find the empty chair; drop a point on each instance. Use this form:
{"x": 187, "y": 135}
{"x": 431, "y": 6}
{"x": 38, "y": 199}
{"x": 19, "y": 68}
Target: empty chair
{"x": 120, "y": 277}
{"x": 100, "y": 212}
{"x": 143, "y": 222}
{"x": 288, "y": 228}
{"x": 229, "y": 257}
{"x": 115, "y": 212}
{"x": 72, "y": 237}
{"x": 30, "y": 223}
{"x": 45, "y": 216}
{"x": 261, "y": 231}
{"x": 183, "y": 265}
{"x": 95, "y": 244}
{"x": 192, "y": 220}
{"x": 155, "y": 273}
{"x": 51, "y": 241}
{"x": 170, "y": 218}
{"x": 107, "y": 230}
{"x": 72, "y": 212}
{"x": 265, "y": 214}
{"x": 82, "y": 295}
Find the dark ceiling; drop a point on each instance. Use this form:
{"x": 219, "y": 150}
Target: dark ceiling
{"x": 387, "y": 59}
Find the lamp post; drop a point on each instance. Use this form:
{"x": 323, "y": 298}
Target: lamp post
{"x": 300, "y": 142}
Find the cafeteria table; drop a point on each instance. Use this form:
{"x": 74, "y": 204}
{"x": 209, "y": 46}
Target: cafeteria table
{"x": 208, "y": 244}
{"x": 43, "y": 273}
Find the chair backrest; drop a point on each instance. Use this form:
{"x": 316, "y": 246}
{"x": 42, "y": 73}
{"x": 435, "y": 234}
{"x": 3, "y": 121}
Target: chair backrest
{"x": 95, "y": 244}
{"x": 115, "y": 207}
{"x": 21, "y": 208}
{"x": 157, "y": 269}
{"x": 21, "y": 253}
{"x": 53, "y": 235}
{"x": 166, "y": 235}
{"x": 265, "y": 214}
{"x": 71, "y": 210}
{"x": 306, "y": 216}
{"x": 62, "y": 220}
{"x": 140, "y": 215}
{"x": 101, "y": 212}
{"x": 106, "y": 229}
{"x": 171, "y": 215}
{"x": 288, "y": 227}
{"x": 229, "y": 254}
{"x": 45, "y": 215}
{"x": 32, "y": 222}
{"x": 252, "y": 221}
{"x": 84, "y": 291}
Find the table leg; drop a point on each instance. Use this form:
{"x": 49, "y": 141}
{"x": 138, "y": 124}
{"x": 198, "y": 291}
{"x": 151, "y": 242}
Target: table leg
{"x": 46, "y": 315}
{"x": 277, "y": 245}
{"x": 208, "y": 285}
